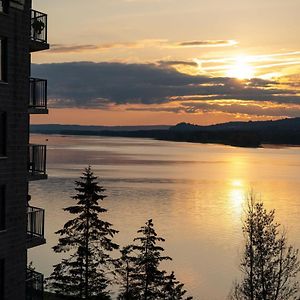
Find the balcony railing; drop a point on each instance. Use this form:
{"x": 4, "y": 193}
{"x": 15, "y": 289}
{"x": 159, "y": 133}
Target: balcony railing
{"x": 37, "y": 162}
{"x": 39, "y": 32}
{"x": 38, "y": 94}
{"x": 34, "y": 285}
{"x": 4, "y": 6}
{"x": 19, "y": 4}
{"x": 35, "y": 222}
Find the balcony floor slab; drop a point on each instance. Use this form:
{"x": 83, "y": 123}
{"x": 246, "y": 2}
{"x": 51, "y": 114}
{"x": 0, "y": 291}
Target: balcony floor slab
{"x": 34, "y": 177}
{"x": 34, "y": 241}
{"x": 38, "y": 46}
{"x": 38, "y": 111}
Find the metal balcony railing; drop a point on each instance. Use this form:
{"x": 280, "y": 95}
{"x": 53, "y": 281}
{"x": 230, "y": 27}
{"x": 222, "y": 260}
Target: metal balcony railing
{"x": 38, "y": 27}
{"x": 4, "y": 6}
{"x": 37, "y": 161}
{"x": 35, "y": 222}
{"x": 38, "y": 93}
{"x": 34, "y": 285}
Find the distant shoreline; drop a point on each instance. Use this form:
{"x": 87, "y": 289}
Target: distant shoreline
{"x": 239, "y": 134}
{"x": 263, "y": 146}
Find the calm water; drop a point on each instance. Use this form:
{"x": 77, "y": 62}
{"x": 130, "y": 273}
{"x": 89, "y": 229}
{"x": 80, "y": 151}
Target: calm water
{"x": 194, "y": 193}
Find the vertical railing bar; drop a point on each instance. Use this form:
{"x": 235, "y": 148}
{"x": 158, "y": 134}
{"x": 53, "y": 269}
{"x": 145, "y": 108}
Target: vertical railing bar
{"x": 31, "y": 226}
{"x": 46, "y": 93}
{"x": 45, "y": 159}
{"x": 46, "y": 30}
{"x": 41, "y": 159}
{"x": 43, "y": 223}
{"x": 33, "y": 160}
{"x": 34, "y": 92}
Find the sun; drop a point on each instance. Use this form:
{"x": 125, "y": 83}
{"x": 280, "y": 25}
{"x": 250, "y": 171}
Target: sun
{"x": 241, "y": 69}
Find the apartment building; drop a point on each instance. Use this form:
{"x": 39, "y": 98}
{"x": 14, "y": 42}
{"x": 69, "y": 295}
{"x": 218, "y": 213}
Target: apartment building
{"x": 23, "y": 31}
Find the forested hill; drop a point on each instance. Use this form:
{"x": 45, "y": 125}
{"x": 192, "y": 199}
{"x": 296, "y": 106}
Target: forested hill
{"x": 243, "y": 134}
{"x": 284, "y": 124}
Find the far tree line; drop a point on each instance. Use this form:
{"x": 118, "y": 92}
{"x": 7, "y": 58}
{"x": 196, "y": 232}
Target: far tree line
{"x": 269, "y": 266}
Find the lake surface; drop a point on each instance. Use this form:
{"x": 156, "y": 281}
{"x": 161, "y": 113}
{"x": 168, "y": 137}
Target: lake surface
{"x": 194, "y": 193}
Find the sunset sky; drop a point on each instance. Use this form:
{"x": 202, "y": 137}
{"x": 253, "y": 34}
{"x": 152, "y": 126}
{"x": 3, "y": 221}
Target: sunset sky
{"x": 134, "y": 62}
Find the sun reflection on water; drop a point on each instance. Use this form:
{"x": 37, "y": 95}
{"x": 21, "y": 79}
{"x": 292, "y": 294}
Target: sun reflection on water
{"x": 237, "y": 196}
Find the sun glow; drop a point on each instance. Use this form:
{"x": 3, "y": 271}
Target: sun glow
{"x": 241, "y": 69}
{"x": 237, "y": 196}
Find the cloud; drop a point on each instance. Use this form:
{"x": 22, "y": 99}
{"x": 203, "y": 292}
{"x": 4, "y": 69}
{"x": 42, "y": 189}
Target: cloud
{"x": 240, "y": 108}
{"x": 172, "y": 63}
{"x": 158, "y": 43}
{"x": 208, "y": 43}
{"x": 250, "y": 108}
{"x": 65, "y": 48}
{"x": 102, "y": 85}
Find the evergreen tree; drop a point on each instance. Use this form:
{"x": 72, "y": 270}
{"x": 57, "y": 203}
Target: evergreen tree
{"x": 125, "y": 269}
{"x": 89, "y": 240}
{"x": 139, "y": 272}
{"x": 150, "y": 278}
{"x": 270, "y": 267}
{"x": 173, "y": 289}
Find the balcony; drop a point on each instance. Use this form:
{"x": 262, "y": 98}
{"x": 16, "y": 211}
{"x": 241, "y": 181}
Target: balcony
{"x": 37, "y": 162}
{"x": 35, "y": 227}
{"x": 4, "y": 6}
{"x": 34, "y": 285}
{"x": 38, "y": 34}
{"x": 18, "y": 4}
{"x": 38, "y": 96}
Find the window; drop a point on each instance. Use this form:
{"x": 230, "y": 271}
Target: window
{"x": 2, "y": 208}
{"x": 2, "y": 278}
{"x": 2, "y": 134}
{"x": 3, "y": 6}
{"x": 3, "y": 59}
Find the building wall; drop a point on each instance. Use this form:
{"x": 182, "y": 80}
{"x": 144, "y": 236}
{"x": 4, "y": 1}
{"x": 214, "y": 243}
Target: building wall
{"x": 14, "y": 95}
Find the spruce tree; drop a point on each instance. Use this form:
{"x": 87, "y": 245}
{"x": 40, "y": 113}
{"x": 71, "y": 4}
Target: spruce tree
{"x": 269, "y": 265}
{"x": 140, "y": 276}
{"x": 89, "y": 240}
{"x": 149, "y": 279}
{"x": 125, "y": 269}
{"x": 172, "y": 289}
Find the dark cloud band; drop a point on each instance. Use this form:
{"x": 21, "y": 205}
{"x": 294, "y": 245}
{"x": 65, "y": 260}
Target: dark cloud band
{"x": 99, "y": 85}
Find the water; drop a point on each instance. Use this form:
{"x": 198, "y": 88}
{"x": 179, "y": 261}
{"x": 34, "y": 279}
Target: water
{"x": 194, "y": 193}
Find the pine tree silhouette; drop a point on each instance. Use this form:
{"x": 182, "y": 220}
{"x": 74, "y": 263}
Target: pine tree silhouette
{"x": 173, "y": 289}
{"x": 139, "y": 270}
{"x": 89, "y": 240}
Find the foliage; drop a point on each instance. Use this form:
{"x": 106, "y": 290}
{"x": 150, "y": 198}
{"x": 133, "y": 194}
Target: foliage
{"x": 139, "y": 269}
{"x": 149, "y": 278}
{"x": 89, "y": 240}
{"x": 268, "y": 265}
{"x": 125, "y": 269}
{"x": 173, "y": 289}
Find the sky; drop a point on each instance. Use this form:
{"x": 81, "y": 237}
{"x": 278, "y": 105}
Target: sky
{"x": 142, "y": 62}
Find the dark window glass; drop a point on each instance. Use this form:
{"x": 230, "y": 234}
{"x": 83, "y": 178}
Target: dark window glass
{"x": 3, "y": 5}
{"x": 2, "y": 207}
{"x": 3, "y": 59}
{"x": 2, "y": 133}
{"x": 2, "y": 278}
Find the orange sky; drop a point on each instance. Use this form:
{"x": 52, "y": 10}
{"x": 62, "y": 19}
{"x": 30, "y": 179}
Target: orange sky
{"x": 119, "y": 118}
{"x": 213, "y": 39}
